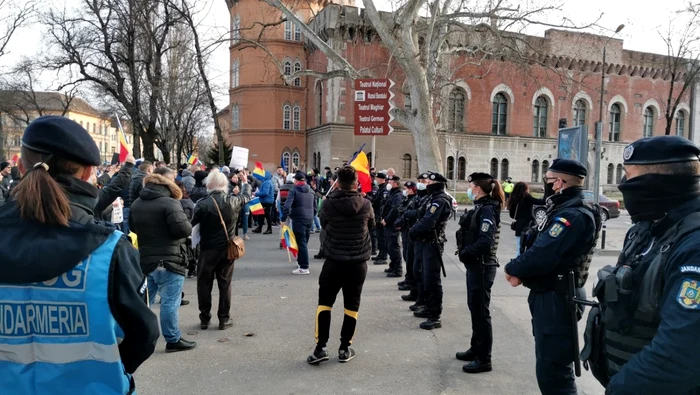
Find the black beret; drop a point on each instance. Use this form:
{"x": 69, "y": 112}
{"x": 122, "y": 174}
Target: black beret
{"x": 660, "y": 149}
{"x": 437, "y": 177}
{"x": 475, "y": 177}
{"x": 394, "y": 178}
{"x": 62, "y": 137}
{"x": 4, "y": 165}
{"x": 300, "y": 176}
{"x": 200, "y": 175}
{"x": 381, "y": 175}
{"x": 568, "y": 166}
{"x": 424, "y": 176}
{"x": 410, "y": 184}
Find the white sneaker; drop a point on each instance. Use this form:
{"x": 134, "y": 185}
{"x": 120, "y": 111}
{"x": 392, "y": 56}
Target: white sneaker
{"x": 301, "y": 271}
{"x": 246, "y": 237}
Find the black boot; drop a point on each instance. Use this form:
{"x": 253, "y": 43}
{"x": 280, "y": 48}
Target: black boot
{"x": 394, "y": 273}
{"x": 181, "y": 345}
{"x": 416, "y": 306}
{"x": 421, "y": 313}
{"x": 380, "y": 262}
{"x": 405, "y": 287}
{"x": 476, "y": 366}
{"x": 225, "y": 324}
{"x": 466, "y": 356}
{"x": 431, "y": 323}
{"x": 411, "y": 297}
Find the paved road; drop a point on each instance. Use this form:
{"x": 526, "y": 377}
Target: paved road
{"x": 394, "y": 355}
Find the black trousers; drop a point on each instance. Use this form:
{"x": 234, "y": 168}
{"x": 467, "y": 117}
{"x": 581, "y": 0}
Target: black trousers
{"x": 381, "y": 242}
{"x": 554, "y": 343}
{"x": 418, "y": 272}
{"x": 432, "y": 282}
{"x": 267, "y": 217}
{"x": 213, "y": 264}
{"x": 391, "y": 236}
{"x": 408, "y": 253}
{"x": 479, "y": 282}
{"x": 373, "y": 237}
{"x": 334, "y": 277}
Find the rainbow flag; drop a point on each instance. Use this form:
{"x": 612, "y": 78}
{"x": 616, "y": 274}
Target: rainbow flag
{"x": 255, "y": 207}
{"x": 288, "y": 240}
{"x": 361, "y": 165}
{"x": 259, "y": 172}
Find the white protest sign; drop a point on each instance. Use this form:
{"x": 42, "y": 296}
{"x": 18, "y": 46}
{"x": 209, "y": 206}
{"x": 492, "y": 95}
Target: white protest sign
{"x": 239, "y": 158}
{"x": 117, "y": 211}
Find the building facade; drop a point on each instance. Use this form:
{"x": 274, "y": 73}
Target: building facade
{"x": 494, "y": 116}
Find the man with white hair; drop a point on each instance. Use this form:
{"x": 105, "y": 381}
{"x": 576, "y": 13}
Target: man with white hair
{"x": 213, "y": 261}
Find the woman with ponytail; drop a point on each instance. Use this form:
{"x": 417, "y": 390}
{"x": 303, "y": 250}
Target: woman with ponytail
{"x": 480, "y": 232}
{"x": 52, "y": 244}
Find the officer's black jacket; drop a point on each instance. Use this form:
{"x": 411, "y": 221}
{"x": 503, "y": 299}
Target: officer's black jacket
{"x": 489, "y": 212}
{"x": 390, "y": 211}
{"x": 439, "y": 208}
{"x": 669, "y": 365}
{"x": 407, "y": 205}
{"x": 569, "y": 234}
{"x": 378, "y": 201}
{"x": 33, "y": 252}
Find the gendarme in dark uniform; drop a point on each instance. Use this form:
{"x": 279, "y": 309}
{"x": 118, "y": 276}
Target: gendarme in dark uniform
{"x": 378, "y": 205}
{"x": 565, "y": 242}
{"x": 414, "y": 214}
{"x": 429, "y": 235}
{"x": 404, "y": 223}
{"x": 650, "y": 302}
{"x": 390, "y": 213}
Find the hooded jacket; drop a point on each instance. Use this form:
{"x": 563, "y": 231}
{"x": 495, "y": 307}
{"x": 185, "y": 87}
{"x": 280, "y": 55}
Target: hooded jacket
{"x": 300, "y": 204}
{"x": 347, "y": 219}
{"x": 187, "y": 180}
{"x": 61, "y": 248}
{"x": 160, "y": 222}
{"x": 266, "y": 192}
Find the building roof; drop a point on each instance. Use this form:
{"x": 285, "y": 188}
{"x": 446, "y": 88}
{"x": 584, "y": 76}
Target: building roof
{"x": 46, "y": 102}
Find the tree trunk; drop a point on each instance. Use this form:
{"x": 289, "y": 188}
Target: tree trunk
{"x": 148, "y": 141}
{"x": 669, "y": 122}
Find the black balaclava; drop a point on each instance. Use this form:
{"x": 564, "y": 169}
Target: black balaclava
{"x": 651, "y": 196}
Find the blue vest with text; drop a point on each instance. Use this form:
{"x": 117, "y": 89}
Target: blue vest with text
{"x": 59, "y": 336}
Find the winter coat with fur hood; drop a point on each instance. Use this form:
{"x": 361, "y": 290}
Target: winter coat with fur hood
{"x": 161, "y": 224}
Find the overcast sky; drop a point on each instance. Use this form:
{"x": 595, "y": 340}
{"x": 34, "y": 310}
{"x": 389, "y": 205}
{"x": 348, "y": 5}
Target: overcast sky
{"x": 642, "y": 23}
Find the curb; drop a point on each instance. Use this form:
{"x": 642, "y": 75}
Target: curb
{"x": 607, "y": 252}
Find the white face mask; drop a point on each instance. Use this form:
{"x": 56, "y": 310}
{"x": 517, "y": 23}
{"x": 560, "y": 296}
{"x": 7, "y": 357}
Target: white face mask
{"x": 420, "y": 186}
{"x": 388, "y": 187}
{"x": 405, "y": 193}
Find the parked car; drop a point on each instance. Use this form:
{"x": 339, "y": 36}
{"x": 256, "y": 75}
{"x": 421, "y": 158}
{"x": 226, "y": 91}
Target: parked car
{"x": 610, "y": 207}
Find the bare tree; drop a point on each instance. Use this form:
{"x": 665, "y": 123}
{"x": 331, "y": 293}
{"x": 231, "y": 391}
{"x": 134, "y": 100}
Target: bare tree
{"x": 426, "y": 40}
{"x": 682, "y": 65}
{"x": 20, "y": 13}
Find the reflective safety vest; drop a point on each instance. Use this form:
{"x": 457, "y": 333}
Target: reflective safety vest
{"x": 59, "y": 336}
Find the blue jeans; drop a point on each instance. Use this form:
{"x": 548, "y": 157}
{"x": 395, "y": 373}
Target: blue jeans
{"x": 302, "y": 232}
{"x": 246, "y": 218}
{"x": 517, "y": 245}
{"x": 317, "y": 224}
{"x": 169, "y": 285}
{"x": 125, "y": 224}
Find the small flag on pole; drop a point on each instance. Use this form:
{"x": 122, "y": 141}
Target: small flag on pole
{"x": 256, "y": 207}
{"x": 289, "y": 241}
{"x": 259, "y": 172}
{"x": 123, "y": 147}
{"x": 15, "y": 158}
{"x": 361, "y": 166}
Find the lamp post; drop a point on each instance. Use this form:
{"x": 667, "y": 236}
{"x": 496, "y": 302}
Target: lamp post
{"x": 599, "y": 125}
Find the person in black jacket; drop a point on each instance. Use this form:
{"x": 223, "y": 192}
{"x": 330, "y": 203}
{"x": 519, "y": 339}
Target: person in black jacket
{"x": 480, "y": 231}
{"x": 378, "y": 205}
{"x": 213, "y": 261}
{"x": 407, "y": 218}
{"x": 132, "y": 192}
{"x": 58, "y": 165}
{"x": 390, "y": 213}
{"x": 520, "y": 209}
{"x": 162, "y": 227}
{"x": 116, "y": 186}
{"x": 188, "y": 206}
{"x": 347, "y": 219}
{"x": 300, "y": 206}
{"x": 199, "y": 191}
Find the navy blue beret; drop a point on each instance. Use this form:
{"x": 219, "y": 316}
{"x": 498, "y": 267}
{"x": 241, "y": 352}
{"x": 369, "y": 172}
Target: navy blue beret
{"x": 475, "y": 177}
{"x": 63, "y": 138}
{"x": 381, "y": 175}
{"x": 409, "y": 184}
{"x": 437, "y": 177}
{"x": 424, "y": 176}
{"x": 568, "y": 166}
{"x": 393, "y": 178}
{"x": 660, "y": 149}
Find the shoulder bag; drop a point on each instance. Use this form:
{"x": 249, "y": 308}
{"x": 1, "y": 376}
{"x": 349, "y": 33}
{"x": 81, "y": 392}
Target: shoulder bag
{"x": 235, "y": 246}
{"x": 515, "y": 220}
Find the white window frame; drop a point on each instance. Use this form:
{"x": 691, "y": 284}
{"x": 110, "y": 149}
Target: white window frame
{"x": 287, "y": 117}
{"x": 288, "y": 30}
{"x": 296, "y": 118}
{"x": 297, "y": 67}
{"x": 235, "y": 71}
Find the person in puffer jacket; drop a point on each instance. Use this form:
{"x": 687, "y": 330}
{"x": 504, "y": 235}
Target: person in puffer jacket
{"x": 266, "y": 193}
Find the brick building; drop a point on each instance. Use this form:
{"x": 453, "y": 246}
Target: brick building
{"x": 495, "y": 117}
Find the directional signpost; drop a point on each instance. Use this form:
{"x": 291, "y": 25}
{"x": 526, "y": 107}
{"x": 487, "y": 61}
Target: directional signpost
{"x": 373, "y": 104}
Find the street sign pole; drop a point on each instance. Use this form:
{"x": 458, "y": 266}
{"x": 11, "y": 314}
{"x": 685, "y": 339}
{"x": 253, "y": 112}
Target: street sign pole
{"x": 374, "y": 151}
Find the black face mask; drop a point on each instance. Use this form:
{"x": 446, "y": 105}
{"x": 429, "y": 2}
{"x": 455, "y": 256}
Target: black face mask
{"x": 548, "y": 190}
{"x": 651, "y": 196}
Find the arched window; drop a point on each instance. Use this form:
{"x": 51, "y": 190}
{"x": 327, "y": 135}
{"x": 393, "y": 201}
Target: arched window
{"x": 288, "y": 30}
{"x": 462, "y": 168}
{"x": 94, "y": 128}
{"x": 539, "y": 124}
{"x": 455, "y": 116}
{"x": 319, "y": 110}
{"x": 407, "y": 162}
{"x": 619, "y": 174}
{"x": 315, "y": 161}
{"x": 504, "y": 169}
{"x": 295, "y": 159}
{"x": 287, "y": 67}
{"x": 680, "y": 123}
{"x": 319, "y": 161}
{"x": 611, "y": 173}
{"x": 545, "y": 167}
{"x": 296, "y": 124}
{"x": 235, "y": 73}
{"x": 499, "y": 118}
{"x": 535, "y": 171}
{"x": 235, "y": 117}
{"x": 285, "y": 160}
{"x": 297, "y": 31}
{"x": 450, "y": 168}
{"x": 615, "y": 118}
{"x": 236, "y": 30}
{"x": 580, "y": 113}
{"x": 494, "y": 168}
{"x": 297, "y": 67}
{"x": 648, "y": 122}
{"x": 287, "y": 117}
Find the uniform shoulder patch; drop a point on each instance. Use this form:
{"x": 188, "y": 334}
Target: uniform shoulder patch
{"x": 690, "y": 269}
{"x": 689, "y": 294}
{"x": 433, "y": 208}
{"x": 556, "y": 230}
{"x": 563, "y": 221}
{"x": 485, "y": 226}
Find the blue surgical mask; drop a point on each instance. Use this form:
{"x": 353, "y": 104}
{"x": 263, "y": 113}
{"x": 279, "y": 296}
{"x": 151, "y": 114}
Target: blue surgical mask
{"x": 420, "y": 186}
{"x": 470, "y": 195}
{"x": 405, "y": 192}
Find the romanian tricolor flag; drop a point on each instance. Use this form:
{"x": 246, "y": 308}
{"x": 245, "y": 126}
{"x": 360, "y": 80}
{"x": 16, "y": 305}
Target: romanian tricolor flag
{"x": 193, "y": 160}
{"x": 361, "y": 166}
{"x": 288, "y": 240}
{"x": 123, "y": 148}
{"x": 259, "y": 172}
{"x": 255, "y": 207}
